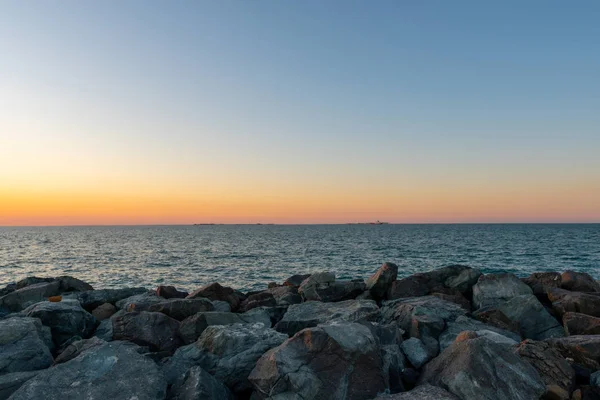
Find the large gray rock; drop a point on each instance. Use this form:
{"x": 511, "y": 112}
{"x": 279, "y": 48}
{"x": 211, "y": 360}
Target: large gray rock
{"x": 112, "y": 371}
{"x": 139, "y": 302}
{"x": 95, "y": 298}
{"x": 552, "y": 367}
{"x": 482, "y": 369}
{"x": 285, "y": 295}
{"x": 404, "y": 311}
{"x": 76, "y": 348}
{"x": 494, "y": 289}
{"x": 152, "y": 329}
{"x": 9, "y": 383}
{"x": 180, "y": 309}
{"x": 215, "y": 291}
{"x": 463, "y": 323}
{"x": 564, "y": 301}
{"x": 450, "y": 280}
{"x": 24, "y": 345}
{"x": 336, "y": 361}
{"x": 584, "y": 350}
{"x": 227, "y": 352}
{"x": 416, "y": 352}
{"x": 319, "y": 281}
{"x": 579, "y": 282}
{"x": 312, "y": 313}
{"x": 197, "y": 384}
{"x": 531, "y": 317}
{"x": 23, "y": 298}
{"x": 381, "y": 281}
{"x": 423, "y": 392}
{"x": 65, "y": 319}
{"x": 191, "y": 328}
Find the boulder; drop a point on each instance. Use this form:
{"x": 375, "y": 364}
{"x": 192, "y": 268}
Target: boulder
{"x": 381, "y": 281}
{"x": 455, "y": 298}
{"x": 76, "y": 348}
{"x": 494, "y": 289}
{"x": 153, "y": 329}
{"x": 215, "y": 291}
{"x": 320, "y": 280}
{"x": 566, "y": 301}
{"x": 112, "y": 371}
{"x": 199, "y": 384}
{"x": 393, "y": 364}
{"x": 295, "y": 280}
{"x": 94, "y": 298}
{"x": 581, "y": 324}
{"x": 227, "y": 352}
{"x": 24, "y": 345}
{"x": 191, "y": 328}
{"x": 402, "y": 311}
{"x": 482, "y": 369}
{"x": 261, "y": 299}
{"x": 9, "y": 383}
{"x": 104, "y": 311}
{"x": 11, "y": 287}
{"x": 179, "y": 309}
{"x": 338, "y": 291}
{"x": 416, "y": 352}
{"x": 221, "y": 306}
{"x": 450, "y": 280}
{"x": 423, "y": 392}
{"x": 65, "y": 319}
{"x": 139, "y": 302}
{"x": 28, "y": 295}
{"x": 541, "y": 282}
{"x": 70, "y": 284}
{"x": 285, "y": 295}
{"x": 312, "y": 313}
{"x": 170, "y": 292}
{"x": 584, "y": 350}
{"x": 532, "y": 319}
{"x": 464, "y": 323}
{"x": 552, "y": 367}
{"x": 579, "y": 282}
{"x": 336, "y": 361}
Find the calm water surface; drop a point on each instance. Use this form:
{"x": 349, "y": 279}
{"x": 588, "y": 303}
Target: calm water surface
{"x": 250, "y": 256}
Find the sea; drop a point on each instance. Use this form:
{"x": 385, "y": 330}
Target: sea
{"x": 248, "y": 257}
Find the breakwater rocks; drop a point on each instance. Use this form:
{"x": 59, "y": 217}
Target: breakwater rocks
{"x": 451, "y": 333}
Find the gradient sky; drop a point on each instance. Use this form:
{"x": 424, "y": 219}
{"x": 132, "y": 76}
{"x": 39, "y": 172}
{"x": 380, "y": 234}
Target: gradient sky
{"x": 143, "y": 112}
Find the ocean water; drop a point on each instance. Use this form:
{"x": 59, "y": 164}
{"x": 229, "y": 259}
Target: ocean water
{"x": 249, "y": 256}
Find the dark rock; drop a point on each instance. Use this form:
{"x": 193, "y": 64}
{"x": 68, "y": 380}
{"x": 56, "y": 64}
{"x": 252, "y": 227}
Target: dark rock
{"x": 23, "y": 345}
{"x": 112, "y": 371}
{"x": 463, "y": 323}
{"x": 170, "y": 292}
{"x": 531, "y": 317}
{"x": 337, "y": 361}
{"x": 552, "y": 367}
{"x": 285, "y": 295}
{"x": 221, "y": 306}
{"x": 312, "y": 313}
{"x": 295, "y": 280}
{"x": 9, "y": 383}
{"x": 11, "y": 287}
{"x": 152, "y": 329}
{"x": 582, "y": 349}
{"x": 541, "y": 282}
{"x": 482, "y": 369}
{"x": 94, "y": 298}
{"x": 393, "y": 363}
{"x": 32, "y": 280}
{"x": 104, "y": 311}
{"x": 455, "y": 298}
{"x": 215, "y": 291}
{"x": 28, "y": 295}
{"x": 70, "y": 284}
{"x": 191, "y": 328}
{"x": 381, "y": 281}
{"x": 450, "y": 280}
{"x": 65, "y": 319}
{"x": 416, "y": 352}
{"x": 579, "y": 282}
{"x": 566, "y": 301}
{"x": 581, "y": 324}
{"x": 262, "y": 299}
{"x": 76, "y": 348}
{"x": 179, "y": 309}
{"x": 494, "y": 317}
{"x": 139, "y": 302}
{"x": 227, "y": 352}
{"x": 337, "y": 291}
{"x": 494, "y": 289}
{"x": 423, "y": 392}
{"x": 320, "y": 280}
{"x": 595, "y": 379}
{"x": 402, "y": 311}
{"x": 199, "y": 384}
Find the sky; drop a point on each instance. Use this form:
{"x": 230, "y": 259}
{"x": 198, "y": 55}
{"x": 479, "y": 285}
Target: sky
{"x": 281, "y": 111}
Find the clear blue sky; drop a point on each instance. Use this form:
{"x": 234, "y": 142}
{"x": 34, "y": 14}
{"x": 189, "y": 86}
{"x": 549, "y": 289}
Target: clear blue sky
{"x": 371, "y": 107}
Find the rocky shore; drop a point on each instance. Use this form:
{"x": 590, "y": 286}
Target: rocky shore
{"x": 451, "y": 333}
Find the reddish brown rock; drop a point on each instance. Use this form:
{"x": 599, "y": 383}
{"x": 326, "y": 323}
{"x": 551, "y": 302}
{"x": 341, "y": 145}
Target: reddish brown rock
{"x": 579, "y": 282}
{"x": 296, "y": 280}
{"x": 261, "y": 299}
{"x": 564, "y": 301}
{"x": 584, "y": 350}
{"x": 380, "y": 282}
{"x": 581, "y": 324}
{"x": 541, "y": 282}
{"x": 215, "y": 291}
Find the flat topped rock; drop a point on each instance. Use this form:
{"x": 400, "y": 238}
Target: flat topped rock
{"x": 493, "y": 289}
{"x": 402, "y": 311}
{"x": 312, "y": 313}
{"x": 113, "y": 371}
